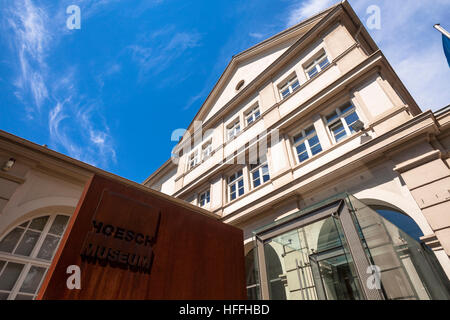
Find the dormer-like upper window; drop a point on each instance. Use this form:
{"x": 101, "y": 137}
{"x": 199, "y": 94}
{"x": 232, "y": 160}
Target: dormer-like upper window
{"x": 289, "y": 86}
{"x": 234, "y": 129}
{"x": 193, "y": 159}
{"x": 252, "y": 115}
{"x": 317, "y": 65}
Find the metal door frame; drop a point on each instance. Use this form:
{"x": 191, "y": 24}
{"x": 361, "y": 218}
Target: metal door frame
{"x": 340, "y": 210}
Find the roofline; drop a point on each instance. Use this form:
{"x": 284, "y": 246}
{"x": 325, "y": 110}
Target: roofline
{"x": 49, "y": 153}
{"x": 236, "y": 57}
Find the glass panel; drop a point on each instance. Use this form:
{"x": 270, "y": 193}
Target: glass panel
{"x": 313, "y": 72}
{"x": 48, "y": 247}
{"x": 28, "y": 242}
{"x": 9, "y": 275}
{"x": 301, "y": 148}
{"x": 9, "y": 242}
{"x": 316, "y": 149}
{"x": 406, "y": 273}
{"x": 350, "y": 119}
{"x": 4, "y": 295}
{"x": 324, "y": 63}
{"x": 39, "y": 223}
{"x": 295, "y": 86}
{"x": 311, "y": 263}
{"x": 257, "y": 114}
{"x": 338, "y": 131}
{"x": 23, "y": 297}
{"x": 309, "y": 130}
{"x": 24, "y": 224}
{"x": 2, "y": 263}
{"x": 331, "y": 117}
{"x": 303, "y": 156}
{"x": 32, "y": 280}
{"x": 59, "y": 224}
{"x": 313, "y": 141}
{"x": 285, "y": 93}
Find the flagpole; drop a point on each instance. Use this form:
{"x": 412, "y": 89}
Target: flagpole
{"x": 438, "y": 27}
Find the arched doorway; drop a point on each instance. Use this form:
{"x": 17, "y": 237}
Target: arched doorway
{"x": 26, "y": 252}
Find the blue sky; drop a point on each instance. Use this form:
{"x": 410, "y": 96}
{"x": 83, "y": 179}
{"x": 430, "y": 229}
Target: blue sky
{"x": 111, "y": 93}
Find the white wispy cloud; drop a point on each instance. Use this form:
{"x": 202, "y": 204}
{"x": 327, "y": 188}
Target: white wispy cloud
{"x": 256, "y": 35}
{"x": 74, "y": 124}
{"x": 304, "y": 9}
{"x": 155, "y": 52}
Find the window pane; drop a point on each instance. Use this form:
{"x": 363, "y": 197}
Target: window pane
{"x": 4, "y": 295}
{"x": 257, "y": 114}
{"x": 350, "y": 119}
{"x": 331, "y": 117}
{"x": 59, "y": 224}
{"x": 2, "y": 263}
{"x": 32, "y": 279}
{"x": 233, "y": 188}
{"x": 255, "y": 175}
{"x": 23, "y": 297}
{"x": 24, "y": 224}
{"x": 256, "y": 182}
{"x": 303, "y": 156}
{"x": 285, "y": 93}
{"x": 301, "y": 148}
{"x": 240, "y": 183}
{"x": 9, "y": 275}
{"x": 233, "y": 196}
{"x": 298, "y": 138}
{"x": 309, "y": 130}
{"x": 250, "y": 119}
{"x": 9, "y": 242}
{"x": 316, "y": 149}
{"x": 324, "y": 63}
{"x": 241, "y": 191}
{"x": 312, "y": 73}
{"x": 346, "y": 108}
{"x": 340, "y": 136}
{"x": 313, "y": 141}
{"x": 39, "y": 223}
{"x": 48, "y": 247}
{"x": 28, "y": 242}
{"x": 295, "y": 85}
{"x": 239, "y": 173}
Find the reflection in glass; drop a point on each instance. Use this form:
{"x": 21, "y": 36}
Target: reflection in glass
{"x": 311, "y": 263}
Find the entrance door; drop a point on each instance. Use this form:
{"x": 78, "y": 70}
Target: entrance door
{"x": 313, "y": 264}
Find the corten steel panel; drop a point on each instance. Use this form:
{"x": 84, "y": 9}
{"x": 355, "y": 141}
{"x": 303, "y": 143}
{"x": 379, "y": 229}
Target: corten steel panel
{"x": 194, "y": 256}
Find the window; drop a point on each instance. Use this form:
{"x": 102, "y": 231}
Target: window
{"x": 240, "y": 85}
{"x": 234, "y": 129}
{"x": 26, "y": 253}
{"x": 252, "y": 115}
{"x": 307, "y": 144}
{"x": 315, "y": 67}
{"x": 193, "y": 159}
{"x": 206, "y": 150}
{"x": 339, "y": 122}
{"x": 289, "y": 87}
{"x": 204, "y": 198}
{"x": 259, "y": 173}
{"x": 236, "y": 185}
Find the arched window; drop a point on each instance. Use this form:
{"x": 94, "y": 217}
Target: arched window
{"x": 399, "y": 219}
{"x": 26, "y": 253}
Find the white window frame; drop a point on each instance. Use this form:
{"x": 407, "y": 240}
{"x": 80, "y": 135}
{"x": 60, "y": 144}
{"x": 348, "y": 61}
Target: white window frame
{"x": 32, "y": 259}
{"x": 316, "y": 64}
{"x": 288, "y": 84}
{"x": 234, "y": 128}
{"x": 193, "y": 160}
{"x": 207, "y": 196}
{"x": 259, "y": 168}
{"x": 237, "y": 177}
{"x": 206, "y": 150}
{"x": 341, "y": 119}
{"x": 253, "y": 114}
{"x": 306, "y": 135}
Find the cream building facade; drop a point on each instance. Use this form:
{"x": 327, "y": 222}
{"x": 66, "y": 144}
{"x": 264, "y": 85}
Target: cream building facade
{"x": 302, "y": 141}
{"x": 345, "y": 124}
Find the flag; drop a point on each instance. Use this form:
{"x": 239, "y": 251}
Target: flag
{"x": 446, "y": 44}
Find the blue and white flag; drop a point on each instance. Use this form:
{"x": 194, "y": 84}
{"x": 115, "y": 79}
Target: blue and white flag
{"x": 446, "y": 44}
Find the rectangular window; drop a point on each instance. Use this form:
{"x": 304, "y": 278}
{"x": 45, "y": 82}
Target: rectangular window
{"x": 204, "y": 199}
{"x": 235, "y": 185}
{"x": 234, "y": 129}
{"x": 193, "y": 159}
{"x": 259, "y": 173}
{"x": 206, "y": 150}
{"x": 289, "y": 87}
{"x": 315, "y": 67}
{"x": 340, "y": 121}
{"x": 252, "y": 115}
{"x": 307, "y": 144}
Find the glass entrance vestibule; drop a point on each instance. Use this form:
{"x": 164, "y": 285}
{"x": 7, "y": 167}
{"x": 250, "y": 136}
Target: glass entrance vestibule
{"x": 341, "y": 249}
